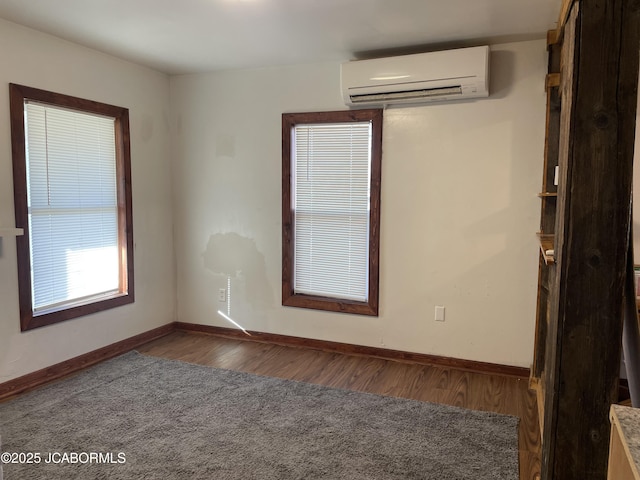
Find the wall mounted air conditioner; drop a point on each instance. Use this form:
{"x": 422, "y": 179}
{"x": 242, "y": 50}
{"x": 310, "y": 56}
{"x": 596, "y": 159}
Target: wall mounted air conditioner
{"x": 424, "y": 77}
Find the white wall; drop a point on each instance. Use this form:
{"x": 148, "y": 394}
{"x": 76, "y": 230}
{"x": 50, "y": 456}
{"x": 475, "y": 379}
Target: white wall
{"x": 459, "y": 205}
{"x": 38, "y": 60}
{"x": 459, "y": 209}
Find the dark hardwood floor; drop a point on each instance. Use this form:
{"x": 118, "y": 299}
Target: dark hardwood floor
{"x": 496, "y": 393}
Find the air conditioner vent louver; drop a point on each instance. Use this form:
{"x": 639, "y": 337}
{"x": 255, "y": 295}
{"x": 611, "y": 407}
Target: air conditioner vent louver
{"x": 407, "y": 95}
{"x": 426, "y": 77}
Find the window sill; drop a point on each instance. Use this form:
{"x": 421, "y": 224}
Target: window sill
{"x": 30, "y": 320}
{"x": 11, "y": 232}
{"x": 330, "y": 304}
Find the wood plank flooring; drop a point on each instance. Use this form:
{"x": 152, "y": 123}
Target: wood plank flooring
{"x": 495, "y": 393}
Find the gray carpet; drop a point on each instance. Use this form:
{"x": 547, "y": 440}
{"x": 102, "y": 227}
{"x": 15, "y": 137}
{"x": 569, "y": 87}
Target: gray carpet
{"x": 174, "y": 420}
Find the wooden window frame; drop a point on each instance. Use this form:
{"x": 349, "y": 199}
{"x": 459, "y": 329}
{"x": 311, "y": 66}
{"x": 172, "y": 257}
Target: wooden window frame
{"x": 289, "y": 297}
{"x": 28, "y": 319}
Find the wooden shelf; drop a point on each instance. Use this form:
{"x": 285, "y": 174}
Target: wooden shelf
{"x": 546, "y": 245}
{"x": 552, "y": 80}
{"x": 547, "y": 194}
{"x": 11, "y": 232}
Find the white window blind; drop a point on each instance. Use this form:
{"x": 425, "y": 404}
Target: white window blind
{"x": 72, "y": 204}
{"x": 331, "y": 165}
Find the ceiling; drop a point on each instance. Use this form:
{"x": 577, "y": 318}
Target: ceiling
{"x": 188, "y": 36}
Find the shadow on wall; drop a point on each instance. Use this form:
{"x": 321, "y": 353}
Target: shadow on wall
{"x": 501, "y": 73}
{"x": 237, "y": 257}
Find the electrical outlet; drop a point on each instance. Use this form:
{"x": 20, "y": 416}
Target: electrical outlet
{"x": 439, "y": 313}
{"x": 222, "y": 295}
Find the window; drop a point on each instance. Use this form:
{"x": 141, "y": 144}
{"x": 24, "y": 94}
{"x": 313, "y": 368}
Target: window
{"x": 331, "y": 210}
{"x": 72, "y": 189}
